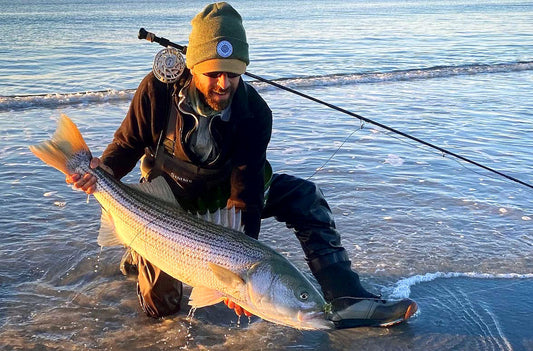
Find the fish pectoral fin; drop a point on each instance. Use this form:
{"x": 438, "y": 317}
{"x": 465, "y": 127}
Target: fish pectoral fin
{"x": 201, "y": 297}
{"x": 157, "y": 188}
{"x": 230, "y": 279}
{"x": 107, "y": 235}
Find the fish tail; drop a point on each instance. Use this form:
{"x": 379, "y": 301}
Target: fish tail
{"x": 66, "y": 150}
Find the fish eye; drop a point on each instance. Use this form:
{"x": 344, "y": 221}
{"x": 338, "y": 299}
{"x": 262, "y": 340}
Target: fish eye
{"x": 304, "y": 295}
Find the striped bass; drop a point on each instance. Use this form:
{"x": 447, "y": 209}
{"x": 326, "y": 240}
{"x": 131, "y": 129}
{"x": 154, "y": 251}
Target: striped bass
{"x": 216, "y": 261}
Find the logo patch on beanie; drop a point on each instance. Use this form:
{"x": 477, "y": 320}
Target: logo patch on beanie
{"x": 224, "y": 48}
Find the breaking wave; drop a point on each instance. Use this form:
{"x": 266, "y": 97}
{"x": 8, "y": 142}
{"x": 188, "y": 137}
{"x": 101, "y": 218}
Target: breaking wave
{"x": 402, "y": 288}
{"x": 58, "y": 99}
{"x": 91, "y": 97}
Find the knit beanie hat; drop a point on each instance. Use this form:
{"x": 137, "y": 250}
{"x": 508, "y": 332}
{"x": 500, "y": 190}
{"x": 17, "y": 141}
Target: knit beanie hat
{"x": 217, "y": 42}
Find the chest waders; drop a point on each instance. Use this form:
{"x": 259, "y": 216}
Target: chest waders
{"x": 196, "y": 188}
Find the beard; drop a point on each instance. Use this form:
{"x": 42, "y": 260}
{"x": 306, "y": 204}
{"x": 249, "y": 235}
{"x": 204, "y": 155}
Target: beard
{"x": 211, "y": 97}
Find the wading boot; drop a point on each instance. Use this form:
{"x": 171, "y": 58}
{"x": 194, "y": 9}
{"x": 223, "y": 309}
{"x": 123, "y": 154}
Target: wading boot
{"x": 351, "y": 304}
{"x": 370, "y": 312}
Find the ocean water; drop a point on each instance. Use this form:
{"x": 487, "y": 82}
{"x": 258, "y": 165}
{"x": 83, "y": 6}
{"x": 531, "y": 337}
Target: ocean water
{"x": 416, "y": 222}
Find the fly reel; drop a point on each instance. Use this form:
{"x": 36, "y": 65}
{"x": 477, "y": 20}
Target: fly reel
{"x": 169, "y": 64}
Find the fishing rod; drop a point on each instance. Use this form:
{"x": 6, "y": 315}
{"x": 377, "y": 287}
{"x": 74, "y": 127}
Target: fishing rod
{"x": 143, "y": 34}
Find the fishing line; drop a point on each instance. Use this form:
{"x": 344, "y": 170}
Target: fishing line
{"x": 333, "y": 154}
{"x": 143, "y": 34}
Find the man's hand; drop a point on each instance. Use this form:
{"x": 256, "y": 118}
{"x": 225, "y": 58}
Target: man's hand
{"x": 239, "y": 311}
{"x": 87, "y": 182}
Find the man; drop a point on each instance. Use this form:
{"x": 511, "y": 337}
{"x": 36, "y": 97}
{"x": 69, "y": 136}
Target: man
{"x": 207, "y": 134}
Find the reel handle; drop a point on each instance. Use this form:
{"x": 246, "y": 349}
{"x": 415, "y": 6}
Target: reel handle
{"x": 151, "y": 37}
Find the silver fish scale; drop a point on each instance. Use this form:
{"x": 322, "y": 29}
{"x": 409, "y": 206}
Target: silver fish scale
{"x": 173, "y": 240}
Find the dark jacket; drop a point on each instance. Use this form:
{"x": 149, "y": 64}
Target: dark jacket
{"x": 242, "y": 140}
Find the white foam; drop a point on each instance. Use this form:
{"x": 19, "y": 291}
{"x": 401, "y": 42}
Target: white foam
{"x": 398, "y": 75}
{"x": 402, "y": 288}
{"x": 58, "y": 99}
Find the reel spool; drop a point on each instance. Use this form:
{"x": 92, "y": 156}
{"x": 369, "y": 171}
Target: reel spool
{"x": 169, "y": 64}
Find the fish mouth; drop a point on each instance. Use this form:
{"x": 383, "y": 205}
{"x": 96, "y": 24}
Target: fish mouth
{"x": 313, "y": 320}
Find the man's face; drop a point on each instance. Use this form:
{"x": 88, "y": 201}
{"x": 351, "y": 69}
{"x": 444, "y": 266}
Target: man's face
{"x": 217, "y": 88}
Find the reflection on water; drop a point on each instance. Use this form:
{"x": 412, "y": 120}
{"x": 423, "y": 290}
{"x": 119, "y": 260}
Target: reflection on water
{"x": 398, "y": 219}
{"x": 455, "y": 77}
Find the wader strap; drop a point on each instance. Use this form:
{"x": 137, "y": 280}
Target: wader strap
{"x": 152, "y": 161}
{"x": 170, "y": 134}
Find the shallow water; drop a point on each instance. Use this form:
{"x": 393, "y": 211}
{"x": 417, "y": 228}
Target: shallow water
{"x": 456, "y": 238}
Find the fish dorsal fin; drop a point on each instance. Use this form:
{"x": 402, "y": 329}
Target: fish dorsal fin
{"x": 201, "y": 297}
{"x": 157, "y": 188}
{"x": 230, "y": 279}
{"x": 107, "y": 235}
{"x": 226, "y": 217}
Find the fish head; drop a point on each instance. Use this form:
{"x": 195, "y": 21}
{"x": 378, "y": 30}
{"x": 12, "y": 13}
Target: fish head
{"x": 277, "y": 291}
